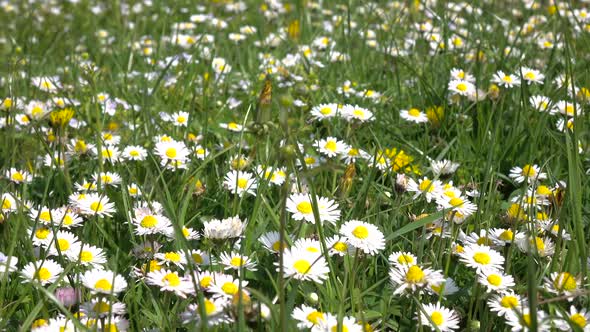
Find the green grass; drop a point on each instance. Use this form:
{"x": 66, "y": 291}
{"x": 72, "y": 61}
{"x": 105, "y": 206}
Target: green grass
{"x": 487, "y": 138}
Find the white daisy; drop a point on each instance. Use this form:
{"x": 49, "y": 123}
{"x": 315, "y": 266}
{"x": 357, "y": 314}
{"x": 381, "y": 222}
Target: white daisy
{"x": 103, "y": 282}
{"x": 45, "y": 272}
{"x": 170, "y": 281}
{"x": 438, "y": 317}
{"x": 495, "y": 281}
{"x": 330, "y": 146}
{"x": 240, "y": 183}
{"x": 364, "y": 236}
{"x": 303, "y": 265}
{"x": 414, "y": 115}
{"x": 481, "y": 257}
{"x": 300, "y": 207}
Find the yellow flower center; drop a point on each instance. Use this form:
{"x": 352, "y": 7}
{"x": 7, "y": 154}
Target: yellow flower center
{"x": 360, "y": 232}
{"x": 507, "y": 79}
{"x": 462, "y": 87}
{"x": 335, "y": 328}
{"x": 414, "y": 274}
{"x": 96, "y": 206}
{"x": 6, "y": 204}
{"x": 101, "y": 307}
{"x": 68, "y": 220}
{"x": 232, "y": 125}
{"x": 236, "y": 261}
{"x": 172, "y": 256}
{"x": 134, "y": 153}
{"x": 304, "y": 207}
{"x": 565, "y": 281}
{"x": 580, "y": 320}
{"x": 43, "y": 274}
{"x": 426, "y": 185}
{"x": 358, "y": 113}
{"x": 414, "y": 112}
{"x": 528, "y": 171}
{"x": 149, "y": 221}
{"x": 171, "y": 152}
{"x": 437, "y": 318}
{"x": 42, "y": 233}
{"x": 482, "y": 258}
{"x": 494, "y": 280}
{"x": 530, "y": 75}
{"x": 302, "y": 266}
{"x": 103, "y": 285}
{"x": 526, "y": 318}
{"x": 45, "y": 216}
{"x": 197, "y": 258}
{"x": 405, "y": 259}
{"x": 242, "y": 183}
{"x": 326, "y": 110}
{"x": 309, "y": 160}
{"x": 171, "y": 279}
{"x": 539, "y": 243}
{"x": 340, "y": 246}
{"x": 209, "y": 307}
{"x": 181, "y": 119}
{"x": 63, "y": 244}
{"x": 331, "y": 145}
{"x": 206, "y": 281}
{"x": 509, "y": 301}
{"x": 86, "y": 256}
{"x": 17, "y": 176}
{"x": 507, "y": 235}
{"x": 229, "y": 288}
{"x": 315, "y": 317}
{"x": 456, "y": 202}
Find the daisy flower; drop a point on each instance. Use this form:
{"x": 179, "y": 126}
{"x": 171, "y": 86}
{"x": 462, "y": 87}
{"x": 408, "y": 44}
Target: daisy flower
{"x": 88, "y": 255}
{"x": 502, "y": 236}
{"x": 107, "y": 178}
{"x": 303, "y": 265}
{"x": 414, "y": 115}
{"x": 364, "y": 236}
{"x": 307, "y": 244}
{"x": 350, "y": 112}
{"x": 461, "y": 87}
{"x": 564, "y": 283}
{"x": 225, "y": 286}
{"x": 272, "y": 241}
{"x": 103, "y": 281}
{"x": 134, "y": 152}
{"x": 46, "y": 83}
{"x": 147, "y": 222}
{"x": 399, "y": 258}
{"x": 531, "y": 75}
{"x": 179, "y": 119}
{"x": 176, "y": 258}
{"x": 506, "y": 303}
{"x": 495, "y": 281}
{"x": 324, "y": 111}
{"x": 445, "y": 288}
{"x": 505, "y": 80}
{"x": 543, "y": 246}
{"x": 235, "y": 261}
{"x": 407, "y": 279}
{"x": 330, "y": 146}
{"x": 224, "y": 229}
{"x": 200, "y": 152}
{"x": 172, "y": 151}
{"x": 109, "y": 153}
{"x": 437, "y": 317}
{"x": 574, "y": 317}
{"x": 232, "y": 126}
{"x": 214, "y": 309}
{"x": 65, "y": 243}
{"x": 338, "y": 245}
{"x": 8, "y": 203}
{"x": 41, "y": 236}
{"x": 481, "y": 257}
{"x": 541, "y": 104}
{"x": 460, "y": 74}
{"x": 530, "y": 173}
{"x": 443, "y": 167}
{"x": 171, "y": 282}
{"x": 240, "y": 183}
{"x": 45, "y": 272}
{"x": 457, "y": 204}
{"x": 99, "y": 308}
{"x": 426, "y": 187}
{"x": 275, "y": 176}
{"x": 300, "y": 207}
{"x": 561, "y": 124}
{"x": 307, "y": 317}
{"x": 96, "y": 205}
{"x": 18, "y": 176}
{"x": 200, "y": 257}
{"x": 568, "y": 109}
{"x": 352, "y": 154}
{"x": 521, "y": 321}
{"x": 330, "y": 323}
{"x": 7, "y": 264}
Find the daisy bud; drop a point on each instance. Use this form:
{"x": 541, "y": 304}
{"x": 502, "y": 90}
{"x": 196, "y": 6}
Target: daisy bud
{"x": 68, "y": 296}
{"x": 313, "y": 297}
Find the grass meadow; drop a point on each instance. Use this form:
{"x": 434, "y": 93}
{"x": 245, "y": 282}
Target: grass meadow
{"x": 335, "y": 166}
